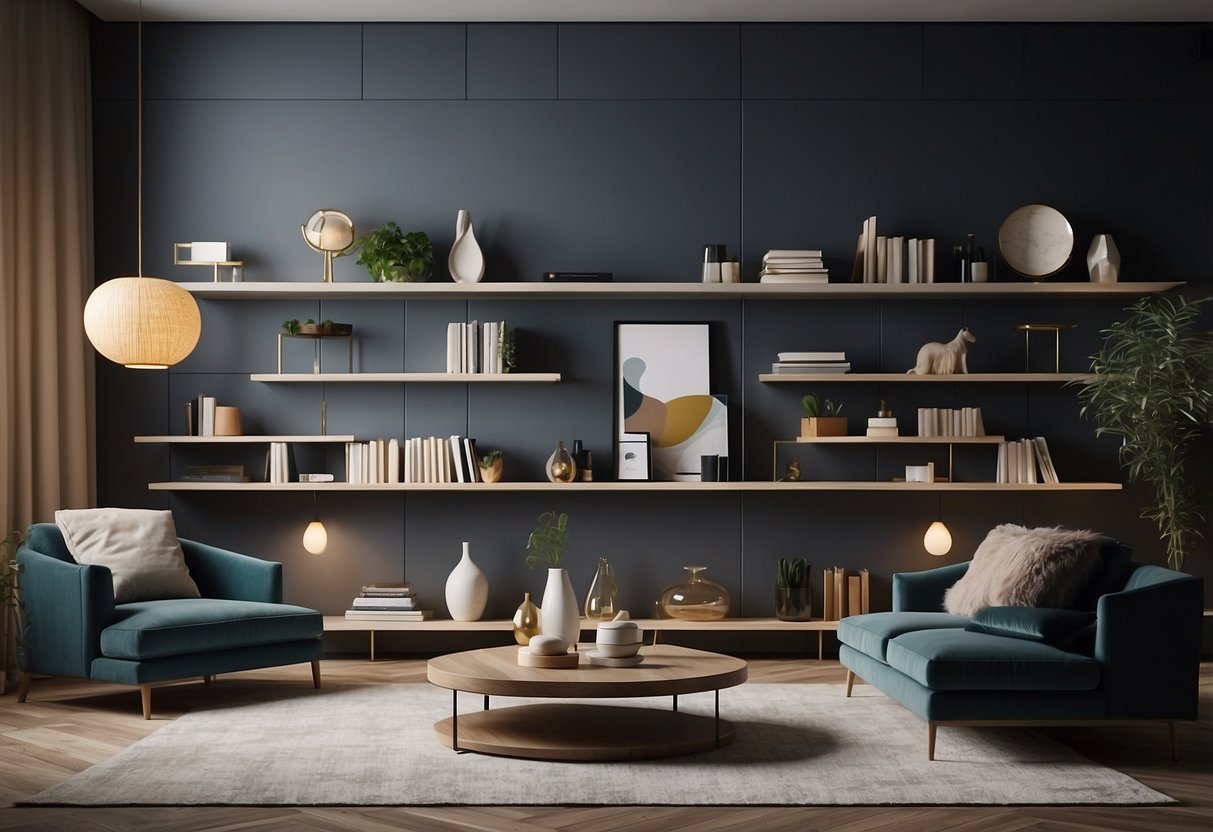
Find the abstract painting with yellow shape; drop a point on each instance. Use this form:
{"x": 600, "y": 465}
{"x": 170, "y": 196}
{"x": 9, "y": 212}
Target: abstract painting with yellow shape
{"x": 664, "y": 390}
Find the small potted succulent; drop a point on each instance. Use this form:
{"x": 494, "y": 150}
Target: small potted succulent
{"x": 491, "y": 465}
{"x": 391, "y": 255}
{"x": 310, "y": 329}
{"x": 821, "y": 418}
{"x": 793, "y": 600}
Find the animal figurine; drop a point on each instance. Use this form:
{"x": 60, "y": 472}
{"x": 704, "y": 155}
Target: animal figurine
{"x": 936, "y": 359}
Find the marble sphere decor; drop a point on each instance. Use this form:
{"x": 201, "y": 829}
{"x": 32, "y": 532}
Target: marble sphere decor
{"x": 1036, "y": 241}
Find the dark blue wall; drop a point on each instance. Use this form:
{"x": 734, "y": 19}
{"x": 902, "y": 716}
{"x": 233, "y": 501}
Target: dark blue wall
{"x": 626, "y": 148}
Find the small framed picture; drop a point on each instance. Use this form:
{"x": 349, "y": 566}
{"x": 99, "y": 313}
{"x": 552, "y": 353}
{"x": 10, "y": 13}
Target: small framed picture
{"x": 633, "y": 462}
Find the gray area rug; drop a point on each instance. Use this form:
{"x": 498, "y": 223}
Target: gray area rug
{"x": 374, "y": 745}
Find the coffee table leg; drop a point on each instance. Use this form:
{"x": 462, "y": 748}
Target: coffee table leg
{"x": 718, "y": 718}
{"x": 675, "y": 703}
{"x": 486, "y": 701}
{"x": 455, "y": 721}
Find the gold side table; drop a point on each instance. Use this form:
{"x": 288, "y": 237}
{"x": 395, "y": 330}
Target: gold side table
{"x": 1028, "y": 329}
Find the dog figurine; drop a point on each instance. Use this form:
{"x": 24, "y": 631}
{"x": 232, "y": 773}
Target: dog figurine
{"x": 936, "y": 359}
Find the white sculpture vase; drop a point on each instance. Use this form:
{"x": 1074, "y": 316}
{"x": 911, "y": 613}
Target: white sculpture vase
{"x": 466, "y": 262}
{"x": 559, "y": 615}
{"x": 1103, "y": 259}
{"x": 467, "y": 590}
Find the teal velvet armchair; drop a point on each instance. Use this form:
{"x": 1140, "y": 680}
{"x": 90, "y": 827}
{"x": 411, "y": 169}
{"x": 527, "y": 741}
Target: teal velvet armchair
{"x": 76, "y": 629}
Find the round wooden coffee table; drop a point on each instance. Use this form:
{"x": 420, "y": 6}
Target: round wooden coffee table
{"x": 578, "y": 731}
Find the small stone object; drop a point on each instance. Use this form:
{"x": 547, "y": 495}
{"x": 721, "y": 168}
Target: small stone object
{"x": 542, "y": 645}
{"x": 936, "y": 359}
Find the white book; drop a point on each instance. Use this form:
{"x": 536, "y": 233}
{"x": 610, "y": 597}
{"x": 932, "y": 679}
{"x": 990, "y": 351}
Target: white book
{"x": 811, "y": 356}
{"x": 275, "y": 453}
{"x": 207, "y": 425}
{"x": 912, "y": 261}
{"x": 869, "y": 250}
{"x": 393, "y": 461}
{"x": 922, "y": 422}
{"x": 929, "y": 261}
{"x": 381, "y": 458}
{"x": 1001, "y": 473}
{"x": 495, "y": 348}
{"x": 777, "y": 253}
{"x": 372, "y": 461}
{"x": 955, "y": 423}
{"x": 882, "y": 260}
{"x": 1029, "y": 459}
{"x": 363, "y": 603}
{"x": 457, "y": 461}
{"x": 469, "y": 454}
{"x": 444, "y": 459}
{"x": 452, "y": 347}
{"x": 427, "y": 459}
{"x": 366, "y": 462}
{"x": 981, "y": 426}
{"x": 1046, "y": 460}
{"x": 474, "y": 347}
{"x": 1013, "y": 462}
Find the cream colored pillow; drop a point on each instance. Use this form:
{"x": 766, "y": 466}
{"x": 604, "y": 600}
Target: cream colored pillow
{"x": 139, "y": 546}
{"x": 1021, "y": 567}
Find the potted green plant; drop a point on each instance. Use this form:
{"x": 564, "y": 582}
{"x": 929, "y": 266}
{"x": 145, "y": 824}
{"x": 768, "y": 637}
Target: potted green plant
{"x": 821, "y": 418}
{"x": 390, "y": 254}
{"x": 793, "y": 600}
{"x": 1152, "y": 385}
{"x": 490, "y": 471}
{"x": 547, "y": 545}
{"x": 310, "y": 329}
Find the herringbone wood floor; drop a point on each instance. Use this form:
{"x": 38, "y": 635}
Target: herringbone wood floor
{"x": 69, "y": 725}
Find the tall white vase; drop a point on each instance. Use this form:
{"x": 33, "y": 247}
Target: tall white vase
{"x": 467, "y": 590}
{"x": 559, "y": 615}
{"x": 466, "y": 261}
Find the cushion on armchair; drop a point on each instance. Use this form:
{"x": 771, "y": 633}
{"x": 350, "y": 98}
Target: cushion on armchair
{"x": 139, "y": 546}
{"x": 1018, "y": 566}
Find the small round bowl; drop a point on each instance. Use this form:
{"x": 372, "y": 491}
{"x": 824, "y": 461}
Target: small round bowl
{"x": 617, "y": 651}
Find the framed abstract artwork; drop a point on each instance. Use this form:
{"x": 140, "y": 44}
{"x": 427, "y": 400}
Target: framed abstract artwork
{"x": 663, "y": 388}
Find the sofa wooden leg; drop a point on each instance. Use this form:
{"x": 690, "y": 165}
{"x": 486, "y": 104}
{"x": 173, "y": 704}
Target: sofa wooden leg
{"x": 1174, "y": 741}
{"x": 850, "y": 682}
{"x": 207, "y": 679}
{"x": 931, "y": 726}
{"x": 23, "y": 686}
{"x": 145, "y": 694}
{"x": 316, "y": 674}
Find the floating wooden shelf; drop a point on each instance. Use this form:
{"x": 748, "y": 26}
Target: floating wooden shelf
{"x": 388, "y": 378}
{"x": 240, "y": 440}
{"x": 899, "y": 440}
{"x": 830, "y": 378}
{"x": 535, "y": 290}
{"x": 685, "y": 487}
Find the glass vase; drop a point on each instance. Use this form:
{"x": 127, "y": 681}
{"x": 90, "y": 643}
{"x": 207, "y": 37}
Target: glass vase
{"x": 560, "y": 466}
{"x": 526, "y": 621}
{"x": 697, "y": 599}
{"x": 602, "y": 599}
{"x": 793, "y": 603}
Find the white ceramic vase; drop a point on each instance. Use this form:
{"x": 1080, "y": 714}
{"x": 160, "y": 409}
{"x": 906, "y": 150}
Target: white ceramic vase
{"x": 559, "y": 614}
{"x": 1103, "y": 259}
{"x": 467, "y": 590}
{"x": 466, "y": 262}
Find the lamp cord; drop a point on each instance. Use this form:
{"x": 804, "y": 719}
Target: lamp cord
{"x": 139, "y": 135}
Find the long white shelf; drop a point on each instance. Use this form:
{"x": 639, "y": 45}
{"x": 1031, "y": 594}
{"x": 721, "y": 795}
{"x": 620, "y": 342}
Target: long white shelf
{"x": 536, "y": 290}
{"x": 241, "y": 440}
{"x": 382, "y": 378}
{"x": 898, "y": 440}
{"x": 635, "y": 486}
{"x": 830, "y": 378}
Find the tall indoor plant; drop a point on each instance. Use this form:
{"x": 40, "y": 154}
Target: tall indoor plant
{"x": 1151, "y": 387}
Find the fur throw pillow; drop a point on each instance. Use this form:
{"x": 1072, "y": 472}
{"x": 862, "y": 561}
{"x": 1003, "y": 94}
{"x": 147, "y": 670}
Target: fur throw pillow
{"x": 1021, "y": 567}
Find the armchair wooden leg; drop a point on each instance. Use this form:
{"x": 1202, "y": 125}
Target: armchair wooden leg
{"x": 145, "y": 694}
{"x": 931, "y": 726}
{"x": 316, "y": 674}
{"x": 1174, "y": 742}
{"x": 23, "y": 687}
{"x": 850, "y": 682}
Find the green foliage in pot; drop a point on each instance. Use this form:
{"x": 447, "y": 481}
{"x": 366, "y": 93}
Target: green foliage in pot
{"x": 390, "y": 254}
{"x": 487, "y": 460}
{"x": 1153, "y": 387}
{"x": 293, "y": 325}
{"x": 548, "y": 543}
{"x": 791, "y": 574}
{"x": 813, "y": 407}
{"x": 509, "y": 359}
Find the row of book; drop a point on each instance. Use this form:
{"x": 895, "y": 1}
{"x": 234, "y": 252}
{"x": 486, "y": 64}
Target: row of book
{"x": 793, "y": 265}
{"x": 278, "y": 468}
{"x": 844, "y": 594}
{"x": 1026, "y": 461}
{"x": 214, "y": 473}
{"x": 387, "y": 602}
{"x": 419, "y": 459}
{"x": 477, "y": 348}
{"x": 882, "y": 426}
{"x": 881, "y": 259}
{"x": 943, "y": 421}
{"x": 200, "y": 416}
{"x": 811, "y": 362}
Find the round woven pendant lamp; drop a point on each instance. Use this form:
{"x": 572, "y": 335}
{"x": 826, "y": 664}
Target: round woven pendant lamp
{"x": 144, "y": 323}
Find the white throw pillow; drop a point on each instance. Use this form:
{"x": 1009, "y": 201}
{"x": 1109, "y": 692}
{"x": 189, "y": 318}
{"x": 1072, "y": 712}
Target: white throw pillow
{"x": 139, "y": 546}
{"x": 1021, "y": 567}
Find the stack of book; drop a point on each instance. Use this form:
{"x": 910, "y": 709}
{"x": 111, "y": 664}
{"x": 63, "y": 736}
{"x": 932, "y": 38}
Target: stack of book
{"x": 882, "y": 426}
{"x": 472, "y": 348}
{"x": 424, "y": 459}
{"x": 280, "y": 464}
{"x": 844, "y": 594}
{"x": 214, "y": 473}
{"x": 943, "y": 421}
{"x": 811, "y": 362}
{"x": 1018, "y": 462}
{"x": 387, "y": 602}
{"x": 793, "y": 265}
{"x": 200, "y": 416}
{"x": 881, "y": 259}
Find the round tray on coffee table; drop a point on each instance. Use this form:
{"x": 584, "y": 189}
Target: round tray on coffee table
{"x": 580, "y": 731}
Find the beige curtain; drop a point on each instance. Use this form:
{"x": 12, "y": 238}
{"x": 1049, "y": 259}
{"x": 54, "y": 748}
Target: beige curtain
{"x": 46, "y": 270}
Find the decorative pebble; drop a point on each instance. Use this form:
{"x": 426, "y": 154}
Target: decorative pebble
{"x": 548, "y": 645}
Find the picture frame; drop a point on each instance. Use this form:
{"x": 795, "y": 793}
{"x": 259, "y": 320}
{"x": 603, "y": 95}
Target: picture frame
{"x": 634, "y": 462}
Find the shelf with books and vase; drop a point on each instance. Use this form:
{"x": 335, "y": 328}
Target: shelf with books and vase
{"x": 241, "y": 440}
{"x": 898, "y": 378}
{"x": 534, "y": 290}
{"x": 398, "y": 378}
{"x": 636, "y": 487}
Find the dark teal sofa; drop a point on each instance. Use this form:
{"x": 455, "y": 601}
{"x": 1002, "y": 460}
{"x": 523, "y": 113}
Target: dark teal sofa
{"x": 74, "y": 628}
{"x": 1139, "y": 660}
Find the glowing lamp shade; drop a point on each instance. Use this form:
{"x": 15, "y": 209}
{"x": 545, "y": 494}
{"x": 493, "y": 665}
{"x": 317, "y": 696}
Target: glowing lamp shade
{"x": 144, "y": 323}
{"x": 315, "y": 538}
{"x": 938, "y": 540}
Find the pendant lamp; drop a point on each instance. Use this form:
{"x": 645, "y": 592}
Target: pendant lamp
{"x": 142, "y": 323}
